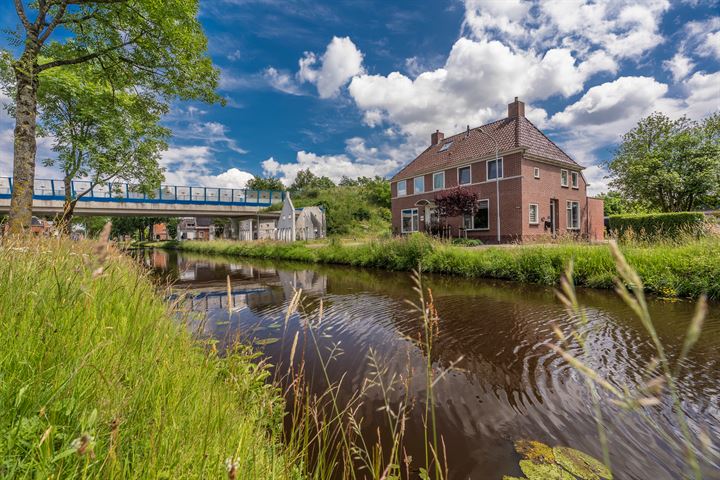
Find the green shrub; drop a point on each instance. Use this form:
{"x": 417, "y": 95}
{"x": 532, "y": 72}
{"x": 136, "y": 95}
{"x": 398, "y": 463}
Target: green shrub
{"x": 466, "y": 242}
{"x": 649, "y": 226}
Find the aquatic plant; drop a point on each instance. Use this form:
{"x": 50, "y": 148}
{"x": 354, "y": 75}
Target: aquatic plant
{"x": 542, "y": 462}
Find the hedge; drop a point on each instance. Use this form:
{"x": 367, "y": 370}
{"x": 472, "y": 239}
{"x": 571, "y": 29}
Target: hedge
{"x": 654, "y": 225}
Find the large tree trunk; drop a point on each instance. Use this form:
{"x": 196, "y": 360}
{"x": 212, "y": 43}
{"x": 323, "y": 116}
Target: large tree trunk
{"x": 25, "y": 145}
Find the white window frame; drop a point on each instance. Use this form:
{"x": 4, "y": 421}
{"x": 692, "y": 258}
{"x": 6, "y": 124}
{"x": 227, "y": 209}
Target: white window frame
{"x": 568, "y": 210}
{"x": 575, "y": 180}
{"x": 443, "y": 180}
{"x": 501, "y": 170}
{"x": 537, "y": 214}
{"x": 564, "y": 177}
{"x": 472, "y": 217}
{"x": 415, "y": 190}
{"x": 404, "y": 189}
{"x": 536, "y": 172}
{"x": 469, "y": 167}
{"x": 413, "y": 212}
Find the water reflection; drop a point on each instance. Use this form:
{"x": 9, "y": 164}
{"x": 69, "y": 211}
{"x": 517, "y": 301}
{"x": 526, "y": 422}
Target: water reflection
{"x": 508, "y": 385}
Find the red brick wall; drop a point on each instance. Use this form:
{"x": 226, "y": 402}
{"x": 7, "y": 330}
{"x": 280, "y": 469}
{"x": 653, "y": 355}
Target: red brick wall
{"x": 541, "y": 191}
{"x": 518, "y": 189}
{"x": 596, "y": 219}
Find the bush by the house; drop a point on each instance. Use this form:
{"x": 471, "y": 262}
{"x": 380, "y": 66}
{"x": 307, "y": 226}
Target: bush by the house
{"x": 466, "y": 242}
{"x": 658, "y": 225}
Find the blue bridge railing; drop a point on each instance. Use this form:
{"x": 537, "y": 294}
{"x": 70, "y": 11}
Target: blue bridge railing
{"x": 124, "y": 192}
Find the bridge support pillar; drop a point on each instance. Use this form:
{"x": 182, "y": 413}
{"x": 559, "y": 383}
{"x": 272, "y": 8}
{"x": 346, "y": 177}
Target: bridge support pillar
{"x": 234, "y": 229}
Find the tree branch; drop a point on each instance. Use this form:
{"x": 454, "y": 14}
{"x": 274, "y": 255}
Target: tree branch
{"x": 84, "y": 58}
{"x": 55, "y": 21}
{"x": 21, "y": 13}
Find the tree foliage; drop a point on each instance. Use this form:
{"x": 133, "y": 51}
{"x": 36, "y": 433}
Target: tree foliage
{"x": 309, "y": 184}
{"x": 156, "y": 46}
{"x": 265, "y": 183}
{"x": 456, "y": 202}
{"x": 670, "y": 165}
{"x": 100, "y": 135}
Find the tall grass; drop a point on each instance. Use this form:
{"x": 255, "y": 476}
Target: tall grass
{"x": 99, "y": 380}
{"x": 669, "y": 269}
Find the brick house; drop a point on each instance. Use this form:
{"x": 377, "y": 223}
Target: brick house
{"x": 542, "y": 191}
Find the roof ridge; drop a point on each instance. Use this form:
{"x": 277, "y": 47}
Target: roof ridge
{"x": 549, "y": 140}
{"x": 474, "y": 128}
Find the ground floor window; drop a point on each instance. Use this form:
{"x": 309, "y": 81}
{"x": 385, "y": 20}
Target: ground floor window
{"x": 409, "y": 220}
{"x": 480, "y": 219}
{"x": 534, "y": 214}
{"x": 573, "y": 215}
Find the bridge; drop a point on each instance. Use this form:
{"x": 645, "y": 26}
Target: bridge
{"x": 123, "y": 199}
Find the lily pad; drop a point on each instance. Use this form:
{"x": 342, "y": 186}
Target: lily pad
{"x": 266, "y": 341}
{"x": 544, "y": 471}
{"x": 535, "y": 451}
{"x": 581, "y": 464}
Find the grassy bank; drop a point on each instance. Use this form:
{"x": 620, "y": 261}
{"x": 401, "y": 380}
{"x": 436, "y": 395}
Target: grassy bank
{"x": 98, "y": 380}
{"x": 670, "y": 270}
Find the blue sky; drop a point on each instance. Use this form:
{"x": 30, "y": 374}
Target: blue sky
{"x": 355, "y": 87}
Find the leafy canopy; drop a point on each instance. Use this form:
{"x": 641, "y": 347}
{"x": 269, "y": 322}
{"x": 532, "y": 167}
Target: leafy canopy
{"x": 101, "y": 134}
{"x": 265, "y": 183}
{"x": 669, "y": 165}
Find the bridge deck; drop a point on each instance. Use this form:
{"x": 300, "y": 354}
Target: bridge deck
{"x": 126, "y": 199}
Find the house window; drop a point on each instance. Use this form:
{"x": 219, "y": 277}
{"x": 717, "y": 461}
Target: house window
{"x": 480, "y": 219}
{"x": 464, "y": 175}
{"x": 573, "y": 215}
{"x": 536, "y": 172}
{"x": 401, "y": 188}
{"x": 563, "y": 178}
{"x": 438, "y": 180}
{"x": 574, "y": 179}
{"x": 409, "y": 220}
{"x": 495, "y": 169}
{"x": 419, "y": 184}
{"x": 446, "y": 146}
{"x": 534, "y": 214}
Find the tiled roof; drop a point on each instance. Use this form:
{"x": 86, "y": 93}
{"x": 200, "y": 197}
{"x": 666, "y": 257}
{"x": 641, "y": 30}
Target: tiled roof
{"x": 510, "y": 133}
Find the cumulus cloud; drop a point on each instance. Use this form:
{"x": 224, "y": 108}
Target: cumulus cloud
{"x": 622, "y": 28}
{"x": 341, "y": 61}
{"x": 478, "y": 79}
{"x": 679, "y": 66}
{"x": 358, "y": 160}
{"x": 191, "y": 166}
{"x": 282, "y": 81}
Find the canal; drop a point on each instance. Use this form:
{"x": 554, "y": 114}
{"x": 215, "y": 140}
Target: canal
{"x": 501, "y": 382}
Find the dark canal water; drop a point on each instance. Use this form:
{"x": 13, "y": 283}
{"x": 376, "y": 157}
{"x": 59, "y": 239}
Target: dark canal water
{"x": 508, "y": 385}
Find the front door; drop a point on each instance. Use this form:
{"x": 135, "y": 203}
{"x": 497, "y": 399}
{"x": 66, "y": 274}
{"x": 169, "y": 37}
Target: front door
{"x": 553, "y": 217}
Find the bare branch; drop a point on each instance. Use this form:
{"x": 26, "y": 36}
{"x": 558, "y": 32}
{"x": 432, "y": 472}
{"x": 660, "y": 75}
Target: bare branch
{"x": 21, "y": 13}
{"x": 55, "y": 21}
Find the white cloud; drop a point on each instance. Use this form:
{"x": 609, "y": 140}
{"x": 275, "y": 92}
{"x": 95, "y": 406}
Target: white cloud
{"x": 282, "y": 81}
{"x": 357, "y": 161}
{"x": 710, "y": 47}
{"x": 191, "y": 165}
{"x": 622, "y": 28}
{"x": 477, "y": 81}
{"x": 679, "y": 65}
{"x": 341, "y": 61}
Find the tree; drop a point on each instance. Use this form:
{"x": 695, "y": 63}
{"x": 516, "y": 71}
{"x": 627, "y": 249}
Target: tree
{"x": 670, "y": 165}
{"x": 131, "y": 225}
{"x": 614, "y": 203}
{"x": 306, "y": 182}
{"x": 265, "y": 183}
{"x": 157, "y": 46}
{"x": 456, "y": 202}
{"x": 100, "y": 135}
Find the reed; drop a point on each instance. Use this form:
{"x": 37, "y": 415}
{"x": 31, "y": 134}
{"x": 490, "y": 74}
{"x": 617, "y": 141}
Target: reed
{"x": 99, "y": 379}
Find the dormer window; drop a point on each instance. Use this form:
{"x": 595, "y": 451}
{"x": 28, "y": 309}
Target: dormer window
{"x": 446, "y": 145}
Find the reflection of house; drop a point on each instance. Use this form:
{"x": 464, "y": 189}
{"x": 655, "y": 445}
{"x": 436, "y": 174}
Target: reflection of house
{"x": 541, "y": 190}
{"x": 192, "y": 228}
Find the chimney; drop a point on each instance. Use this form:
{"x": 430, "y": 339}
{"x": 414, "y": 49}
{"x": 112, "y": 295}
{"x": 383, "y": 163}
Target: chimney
{"x": 436, "y": 137}
{"x": 516, "y": 109}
